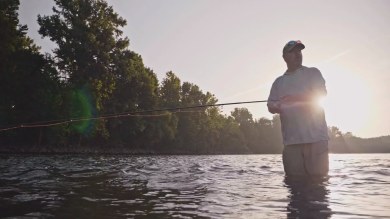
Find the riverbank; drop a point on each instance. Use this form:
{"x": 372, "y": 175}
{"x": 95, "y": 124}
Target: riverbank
{"x": 47, "y": 150}
{"x": 336, "y": 146}
{"x": 110, "y": 150}
{"x": 72, "y": 149}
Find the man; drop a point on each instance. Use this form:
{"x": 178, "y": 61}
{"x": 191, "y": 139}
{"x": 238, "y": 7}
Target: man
{"x": 294, "y": 96}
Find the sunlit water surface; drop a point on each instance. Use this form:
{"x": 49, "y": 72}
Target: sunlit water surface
{"x": 231, "y": 186}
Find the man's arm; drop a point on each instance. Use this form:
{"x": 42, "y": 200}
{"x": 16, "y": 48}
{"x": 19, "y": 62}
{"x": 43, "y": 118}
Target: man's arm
{"x": 273, "y": 103}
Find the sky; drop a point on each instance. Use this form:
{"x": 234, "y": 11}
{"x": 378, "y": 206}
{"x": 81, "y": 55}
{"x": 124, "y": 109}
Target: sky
{"x": 233, "y": 49}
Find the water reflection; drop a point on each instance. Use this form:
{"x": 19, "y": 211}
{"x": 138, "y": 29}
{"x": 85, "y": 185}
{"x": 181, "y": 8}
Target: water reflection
{"x": 247, "y": 186}
{"x": 308, "y": 197}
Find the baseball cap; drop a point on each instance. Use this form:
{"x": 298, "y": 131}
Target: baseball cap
{"x": 292, "y": 44}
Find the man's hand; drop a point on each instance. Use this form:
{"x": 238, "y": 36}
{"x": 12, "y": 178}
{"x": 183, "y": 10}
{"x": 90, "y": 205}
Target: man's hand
{"x": 274, "y": 106}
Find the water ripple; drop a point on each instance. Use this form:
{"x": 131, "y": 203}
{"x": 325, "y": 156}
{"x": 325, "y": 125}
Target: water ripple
{"x": 231, "y": 186}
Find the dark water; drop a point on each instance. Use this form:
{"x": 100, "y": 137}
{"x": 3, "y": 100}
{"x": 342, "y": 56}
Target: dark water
{"x": 237, "y": 186}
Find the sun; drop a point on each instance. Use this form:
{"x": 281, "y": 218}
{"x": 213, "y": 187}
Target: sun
{"x": 347, "y": 104}
{"x": 321, "y": 101}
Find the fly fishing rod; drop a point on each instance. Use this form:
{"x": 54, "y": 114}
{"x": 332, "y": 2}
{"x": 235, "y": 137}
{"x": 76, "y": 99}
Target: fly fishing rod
{"x": 138, "y": 113}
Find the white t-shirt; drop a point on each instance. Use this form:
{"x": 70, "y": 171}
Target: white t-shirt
{"x": 302, "y": 122}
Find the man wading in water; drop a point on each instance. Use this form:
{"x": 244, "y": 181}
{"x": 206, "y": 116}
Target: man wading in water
{"x": 294, "y": 95}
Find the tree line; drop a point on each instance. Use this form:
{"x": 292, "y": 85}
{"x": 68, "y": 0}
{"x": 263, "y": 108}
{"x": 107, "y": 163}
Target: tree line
{"x": 93, "y": 72}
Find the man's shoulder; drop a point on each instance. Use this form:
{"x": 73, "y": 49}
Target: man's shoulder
{"x": 311, "y": 69}
{"x": 278, "y": 79}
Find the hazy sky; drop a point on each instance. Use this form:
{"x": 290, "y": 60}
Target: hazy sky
{"x": 233, "y": 49}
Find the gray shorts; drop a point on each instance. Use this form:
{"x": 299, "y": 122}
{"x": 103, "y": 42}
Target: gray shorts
{"x": 306, "y": 159}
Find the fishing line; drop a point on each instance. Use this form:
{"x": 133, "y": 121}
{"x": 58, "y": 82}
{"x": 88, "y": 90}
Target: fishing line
{"x": 140, "y": 113}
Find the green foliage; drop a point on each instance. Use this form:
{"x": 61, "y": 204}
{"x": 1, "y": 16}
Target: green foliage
{"x": 91, "y": 52}
{"x": 89, "y": 44}
{"x": 170, "y": 91}
{"x": 29, "y": 86}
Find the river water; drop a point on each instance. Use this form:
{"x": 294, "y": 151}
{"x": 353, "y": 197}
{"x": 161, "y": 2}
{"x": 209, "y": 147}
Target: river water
{"x": 215, "y": 186}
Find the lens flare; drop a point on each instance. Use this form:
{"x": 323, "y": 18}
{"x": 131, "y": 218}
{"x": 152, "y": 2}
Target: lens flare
{"x": 82, "y": 107}
{"x": 321, "y": 101}
{"x": 348, "y": 103}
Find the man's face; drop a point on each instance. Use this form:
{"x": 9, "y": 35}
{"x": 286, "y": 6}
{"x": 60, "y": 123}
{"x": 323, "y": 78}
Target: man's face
{"x": 294, "y": 57}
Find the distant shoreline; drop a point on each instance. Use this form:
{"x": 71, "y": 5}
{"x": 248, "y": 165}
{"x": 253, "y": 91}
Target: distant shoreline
{"x": 133, "y": 152}
{"x": 98, "y": 151}
{"x": 341, "y": 145}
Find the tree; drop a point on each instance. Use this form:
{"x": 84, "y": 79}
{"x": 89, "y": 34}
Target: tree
{"x": 245, "y": 121}
{"x": 337, "y": 141}
{"x": 170, "y": 91}
{"x": 29, "y": 86}
{"x": 194, "y": 125}
{"x": 232, "y": 139}
{"x": 136, "y": 89}
{"x": 90, "y": 47}
{"x": 242, "y": 116}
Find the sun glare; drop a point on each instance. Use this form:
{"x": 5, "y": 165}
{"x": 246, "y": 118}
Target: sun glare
{"x": 347, "y": 103}
{"x": 321, "y": 101}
